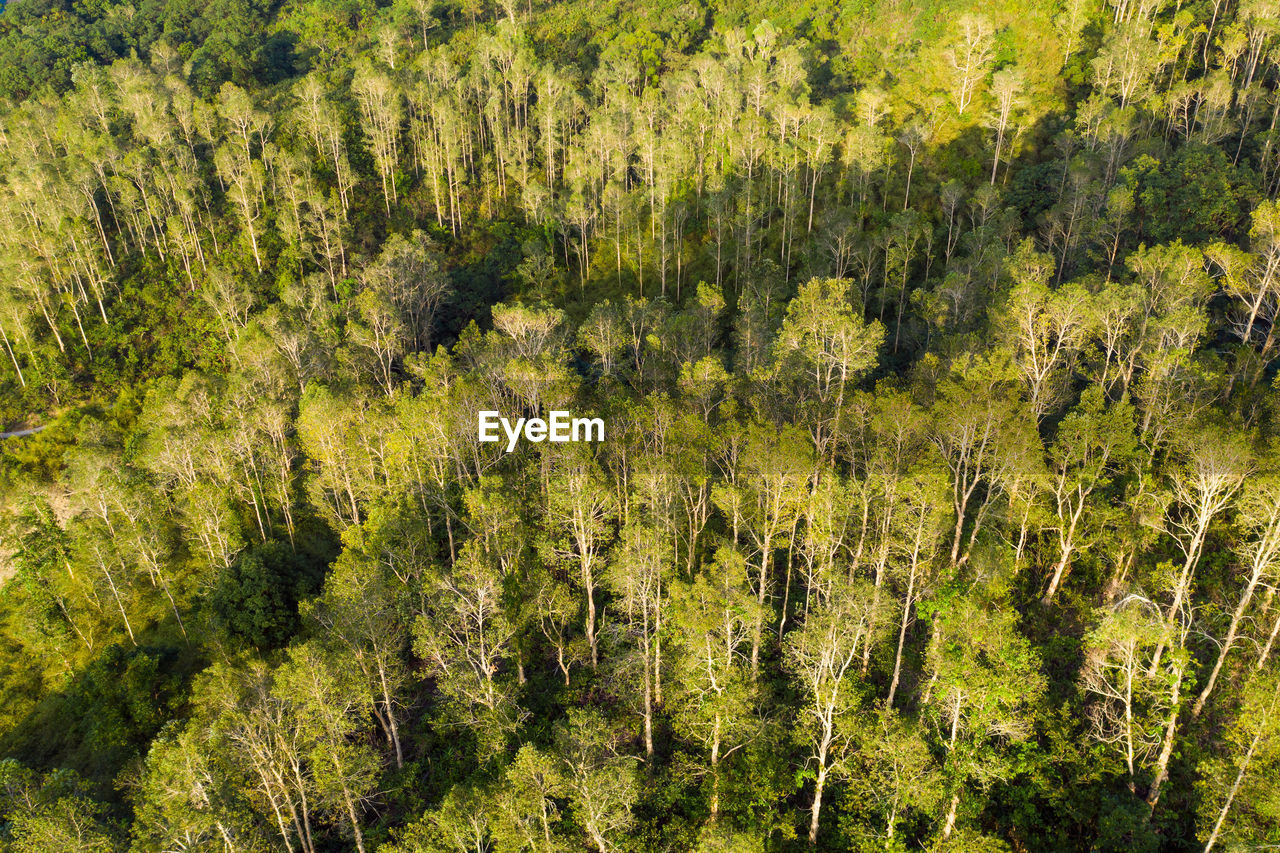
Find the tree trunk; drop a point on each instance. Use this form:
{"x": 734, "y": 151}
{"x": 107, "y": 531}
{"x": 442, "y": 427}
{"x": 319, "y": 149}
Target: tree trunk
{"x": 648, "y": 704}
{"x": 1271, "y": 641}
{"x": 1184, "y": 586}
{"x": 1064, "y": 558}
{"x": 902, "y": 636}
{"x": 715, "y": 770}
{"x": 950, "y": 823}
{"x": 391, "y": 714}
{"x": 120, "y": 604}
{"x": 591, "y": 620}
{"x": 21, "y": 379}
{"x": 1244, "y": 768}
{"x": 355, "y": 821}
{"x": 1166, "y": 750}
{"x": 817, "y": 805}
{"x": 1227, "y": 642}
{"x": 957, "y": 538}
{"x": 760, "y": 597}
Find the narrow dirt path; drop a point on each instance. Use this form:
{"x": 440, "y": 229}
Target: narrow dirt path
{"x": 19, "y": 433}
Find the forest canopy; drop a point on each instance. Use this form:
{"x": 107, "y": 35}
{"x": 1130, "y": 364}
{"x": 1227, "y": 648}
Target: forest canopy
{"x": 939, "y": 501}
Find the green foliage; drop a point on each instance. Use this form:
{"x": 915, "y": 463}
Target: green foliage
{"x": 53, "y": 812}
{"x": 1197, "y": 195}
{"x": 256, "y": 597}
{"x": 105, "y": 716}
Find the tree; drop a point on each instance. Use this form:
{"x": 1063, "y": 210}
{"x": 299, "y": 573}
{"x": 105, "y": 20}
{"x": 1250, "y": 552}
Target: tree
{"x": 579, "y": 508}
{"x": 1239, "y": 787}
{"x": 256, "y": 596}
{"x": 638, "y": 577}
{"x": 600, "y": 783}
{"x": 330, "y": 704}
{"x": 827, "y": 344}
{"x": 711, "y": 619}
{"x": 528, "y": 803}
{"x": 466, "y": 639}
{"x": 245, "y": 177}
{"x": 257, "y": 730}
{"x": 52, "y": 814}
{"x": 969, "y": 56}
{"x": 463, "y": 823}
{"x": 361, "y": 611}
{"x": 1217, "y": 461}
{"x": 822, "y": 656}
{"x": 381, "y": 108}
{"x": 1135, "y": 689}
{"x": 984, "y": 681}
{"x": 1253, "y": 279}
{"x": 379, "y": 328}
{"x": 41, "y": 558}
{"x": 894, "y": 769}
{"x": 556, "y": 613}
{"x": 341, "y": 475}
{"x": 1259, "y": 556}
{"x": 602, "y": 334}
{"x": 188, "y": 795}
{"x": 915, "y": 543}
{"x": 1046, "y": 328}
{"x": 1093, "y": 441}
{"x": 970, "y": 422}
{"x": 408, "y": 273}
{"x": 776, "y": 467}
{"x": 1006, "y": 87}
